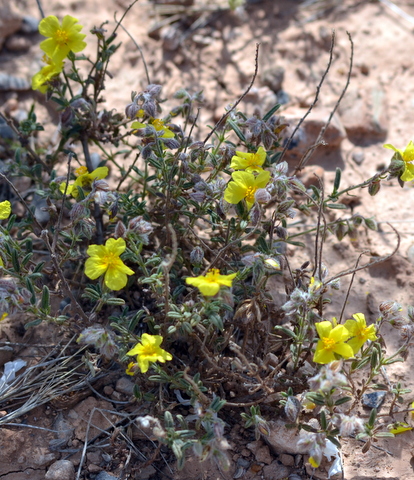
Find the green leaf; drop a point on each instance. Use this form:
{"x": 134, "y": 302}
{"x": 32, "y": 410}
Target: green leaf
{"x": 45, "y": 302}
{"x": 236, "y": 130}
{"x": 342, "y": 400}
{"x": 336, "y": 206}
{"x": 271, "y": 112}
{"x": 337, "y": 180}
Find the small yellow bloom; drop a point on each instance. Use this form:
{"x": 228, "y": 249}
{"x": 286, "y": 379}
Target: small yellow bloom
{"x": 245, "y": 185}
{"x": 3, "y": 316}
{"x": 313, "y": 462}
{"x": 332, "y": 341}
{"x": 104, "y": 259}
{"x": 50, "y": 70}
{"x": 399, "y": 427}
{"x": 148, "y": 351}
{"x": 84, "y": 180}
{"x": 63, "y": 38}
{"x": 5, "y": 209}
{"x": 250, "y": 162}
{"x": 408, "y": 156}
{"x": 210, "y": 284}
{"x": 157, "y": 124}
{"x": 359, "y": 331}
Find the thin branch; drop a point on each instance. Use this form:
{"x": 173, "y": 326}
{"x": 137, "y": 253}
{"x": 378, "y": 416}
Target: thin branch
{"x": 39, "y": 6}
{"x": 369, "y": 264}
{"x": 350, "y": 284}
{"x": 315, "y": 99}
{"x": 66, "y": 288}
{"x": 39, "y": 227}
{"x": 121, "y": 181}
{"x": 59, "y": 222}
{"x": 319, "y": 140}
{"x": 24, "y": 142}
{"x": 225, "y": 115}
{"x": 138, "y": 47}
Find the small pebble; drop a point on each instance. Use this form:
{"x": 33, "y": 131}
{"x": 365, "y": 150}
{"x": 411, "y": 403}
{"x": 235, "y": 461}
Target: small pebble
{"x": 373, "y": 399}
{"x": 358, "y": 156}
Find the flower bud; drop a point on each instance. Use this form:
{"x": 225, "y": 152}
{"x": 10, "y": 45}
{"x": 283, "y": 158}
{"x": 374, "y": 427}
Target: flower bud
{"x": 262, "y": 196}
{"x": 131, "y": 110}
{"x": 196, "y": 256}
{"x": 120, "y": 230}
{"x": 255, "y": 214}
{"x": 78, "y": 211}
{"x": 374, "y": 187}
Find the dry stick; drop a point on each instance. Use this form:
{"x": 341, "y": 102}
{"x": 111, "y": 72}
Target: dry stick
{"x": 97, "y": 212}
{"x": 39, "y": 6}
{"x": 369, "y": 264}
{"x": 318, "y": 252}
{"x": 24, "y": 142}
{"x": 350, "y": 284}
{"x": 225, "y": 115}
{"x": 167, "y": 265}
{"x": 138, "y": 47}
{"x": 318, "y": 142}
{"x": 315, "y": 99}
{"x": 57, "y": 229}
{"x": 39, "y": 227}
{"x": 129, "y": 171}
{"x": 66, "y": 288}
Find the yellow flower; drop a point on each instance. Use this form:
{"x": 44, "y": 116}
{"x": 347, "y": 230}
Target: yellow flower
{"x": 245, "y": 185}
{"x": 158, "y": 125}
{"x": 210, "y": 284}
{"x": 332, "y": 341}
{"x": 63, "y": 38}
{"x": 251, "y": 162}
{"x": 104, "y": 259}
{"x": 359, "y": 331}
{"x": 399, "y": 427}
{"x": 314, "y": 462}
{"x": 84, "y": 180}
{"x": 50, "y": 70}
{"x": 3, "y": 316}
{"x": 408, "y": 156}
{"x": 5, "y": 209}
{"x": 148, "y": 351}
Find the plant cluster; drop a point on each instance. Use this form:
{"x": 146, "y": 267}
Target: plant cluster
{"x": 164, "y": 245}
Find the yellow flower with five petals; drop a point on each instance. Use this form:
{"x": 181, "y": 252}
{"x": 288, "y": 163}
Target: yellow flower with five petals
{"x": 359, "y": 331}
{"x": 148, "y": 351}
{"x": 210, "y": 283}
{"x": 332, "y": 341}
{"x": 408, "y": 156}
{"x": 244, "y": 186}
{"x": 63, "y": 38}
{"x": 250, "y": 162}
{"x": 50, "y": 70}
{"x": 84, "y": 180}
{"x": 105, "y": 260}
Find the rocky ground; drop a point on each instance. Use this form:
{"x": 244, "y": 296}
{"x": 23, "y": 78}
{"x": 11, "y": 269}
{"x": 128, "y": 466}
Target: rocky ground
{"x": 207, "y": 47}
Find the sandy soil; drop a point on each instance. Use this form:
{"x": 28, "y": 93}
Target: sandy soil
{"x": 218, "y": 58}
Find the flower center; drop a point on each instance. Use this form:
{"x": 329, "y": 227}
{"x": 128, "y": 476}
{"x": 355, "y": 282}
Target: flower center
{"x": 111, "y": 260}
{"x": 328, "y": 343}
{"x": 147, "y": 350}
{"x": 81, "y": 171}
{"x": 249, "y": 195}
{"x": 254, "y": 161}
{"x": 61, "y": 37}
{"x": 158, "y": 124}
{"x": 212, "y": 275}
